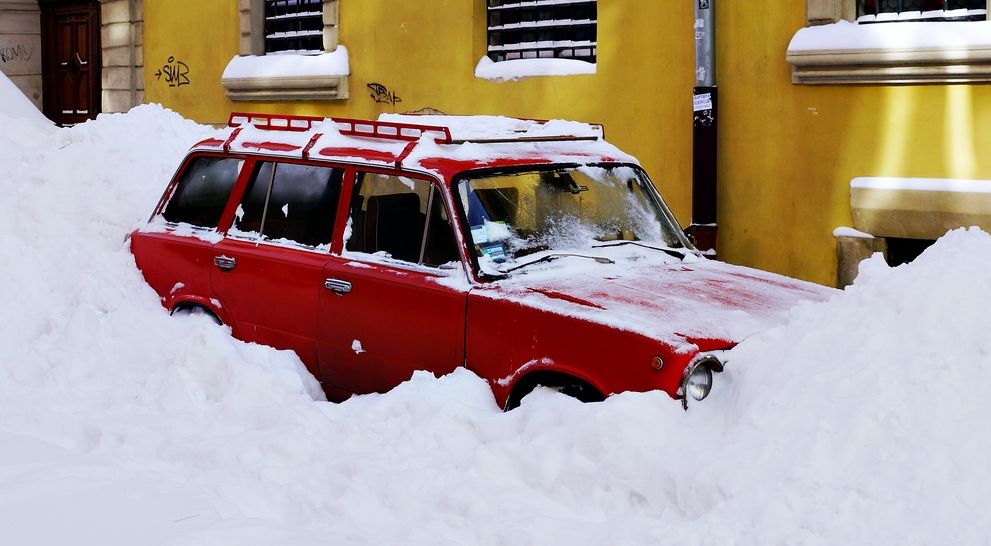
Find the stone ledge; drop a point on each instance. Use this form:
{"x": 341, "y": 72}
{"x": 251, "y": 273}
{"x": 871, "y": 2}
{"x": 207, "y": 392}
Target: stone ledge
{"x": 287, "y": 89}
{"x": 891, "y": 66}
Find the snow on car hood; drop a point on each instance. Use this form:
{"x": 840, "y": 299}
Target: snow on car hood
{"x": 682, "y": 303}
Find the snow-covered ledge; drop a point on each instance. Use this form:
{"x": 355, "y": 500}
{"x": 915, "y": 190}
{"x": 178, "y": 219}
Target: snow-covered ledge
{"x": 919, "y": 208}
{"x": 288, "y": 77}
{"x": 517, "y": 69}
{"x": 886, "y": 53}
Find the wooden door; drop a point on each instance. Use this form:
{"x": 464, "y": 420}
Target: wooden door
{"x": 71, "y": 60}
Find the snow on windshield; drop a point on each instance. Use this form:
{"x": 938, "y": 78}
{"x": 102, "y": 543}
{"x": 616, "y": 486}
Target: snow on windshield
{"x": 518, "y": 213}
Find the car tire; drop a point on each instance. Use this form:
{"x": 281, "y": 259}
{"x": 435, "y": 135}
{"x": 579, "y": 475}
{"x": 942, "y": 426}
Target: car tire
{"x": 192, "y": 309}
{"x": 570, "y": 386}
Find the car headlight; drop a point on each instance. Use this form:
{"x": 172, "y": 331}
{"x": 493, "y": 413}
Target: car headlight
{"x": 697, "y": 383}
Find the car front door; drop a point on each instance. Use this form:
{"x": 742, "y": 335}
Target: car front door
{"x": 394, "y": 301}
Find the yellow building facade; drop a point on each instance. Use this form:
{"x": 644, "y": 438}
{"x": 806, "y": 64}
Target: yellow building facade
{"x": 787, "y": 151}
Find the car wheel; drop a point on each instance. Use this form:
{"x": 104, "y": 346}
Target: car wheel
{"x": 570, "y": 386}
{"x": 191, "y": 309}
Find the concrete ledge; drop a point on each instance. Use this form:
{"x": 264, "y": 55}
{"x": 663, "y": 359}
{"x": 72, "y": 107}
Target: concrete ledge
{"x": 287, "y": 89}
{"x": 850, "y": 251}
{"x": 919, "y": 208}
{"x": 891, "y": 66}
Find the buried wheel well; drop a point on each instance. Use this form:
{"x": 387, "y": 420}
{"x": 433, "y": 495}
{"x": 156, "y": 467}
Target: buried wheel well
{"x": 190, "y": 308}
{"x": 563, "y": 383}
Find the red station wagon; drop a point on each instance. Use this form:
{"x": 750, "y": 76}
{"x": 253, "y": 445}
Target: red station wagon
{"x": 532, "y": 253}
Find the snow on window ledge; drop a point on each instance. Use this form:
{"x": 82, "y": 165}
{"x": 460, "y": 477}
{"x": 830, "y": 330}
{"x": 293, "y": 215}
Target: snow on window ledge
{"x": 517, "y": 69}
{"x": 281, "y": 76}
{"x": 892, "y": 53}
{"x": 918, "y": 208}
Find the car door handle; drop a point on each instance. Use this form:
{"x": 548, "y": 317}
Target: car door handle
{"x": 337, "y": 286}
{"x": 225, "y": 263}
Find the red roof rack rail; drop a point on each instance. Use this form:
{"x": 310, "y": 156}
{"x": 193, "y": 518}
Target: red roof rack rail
{"x": 348, "y": 127}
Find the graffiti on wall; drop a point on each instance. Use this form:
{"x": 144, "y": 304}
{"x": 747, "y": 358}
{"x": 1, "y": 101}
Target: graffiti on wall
{"x": 381, "y": 93}
{"x": 174, "y": 72}
{"x": 19, "y": 52}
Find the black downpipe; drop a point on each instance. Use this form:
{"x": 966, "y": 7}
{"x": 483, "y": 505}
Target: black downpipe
{"x": 705, "y": 107}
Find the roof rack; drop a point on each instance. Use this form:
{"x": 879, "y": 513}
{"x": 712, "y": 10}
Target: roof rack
{"x": 349, "y": 127}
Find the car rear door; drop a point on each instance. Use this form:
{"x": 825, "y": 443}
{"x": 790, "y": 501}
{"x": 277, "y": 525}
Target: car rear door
{"x": 268, "y": 270}
{"x": 175, "y": 251}
{"x": 394, "y": 300}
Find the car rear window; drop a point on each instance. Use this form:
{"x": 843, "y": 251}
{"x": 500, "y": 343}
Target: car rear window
{"x": 202, "y": 191}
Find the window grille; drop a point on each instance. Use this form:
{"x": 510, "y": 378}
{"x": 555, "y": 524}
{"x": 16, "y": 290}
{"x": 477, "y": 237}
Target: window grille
{"x": 531, "y": 29}
{"x": 878, "y": 11}
{"x": 293, "y": 26}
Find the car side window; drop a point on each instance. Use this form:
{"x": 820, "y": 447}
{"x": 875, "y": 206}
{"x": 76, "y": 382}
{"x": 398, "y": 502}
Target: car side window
{"x": 202, "y": 191}
{"x": 402, "y": 218}
{"x": 289, "y": 203}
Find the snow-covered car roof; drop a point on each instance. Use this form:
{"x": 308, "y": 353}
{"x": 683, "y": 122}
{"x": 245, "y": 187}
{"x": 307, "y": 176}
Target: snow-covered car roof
{"x": 443, "y": 145}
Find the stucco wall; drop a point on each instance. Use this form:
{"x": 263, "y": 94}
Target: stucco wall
{"x": 642, "y": 91}
{"x": 20, "y": 46}
{"x": 788, "y": 152}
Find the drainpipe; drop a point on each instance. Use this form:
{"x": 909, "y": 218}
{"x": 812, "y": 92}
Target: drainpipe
{"x": 703, "y": 227}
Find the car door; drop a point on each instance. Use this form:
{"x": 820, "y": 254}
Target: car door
{"x": 269, "y": 268}
{"x": 175, "y": 251}
{"x": 394, "y": 300}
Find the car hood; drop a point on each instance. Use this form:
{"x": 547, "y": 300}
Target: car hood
{"x": 691, "y": 305}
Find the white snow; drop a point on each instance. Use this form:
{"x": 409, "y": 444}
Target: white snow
{"x": 844, "y": 231}
{"x": 845, "y": 35}
{"x": 335, "y": 63}
{"x": 952, "y": 185}
{"x": 861, "y": 420}
{"x": 517, "y": 69}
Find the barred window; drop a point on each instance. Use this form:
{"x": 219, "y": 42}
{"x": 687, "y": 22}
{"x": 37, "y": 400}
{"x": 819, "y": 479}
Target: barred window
{"x": 532, "y": 29}
{"x": 294, "y": 26}
{"x": 878, "y": 11}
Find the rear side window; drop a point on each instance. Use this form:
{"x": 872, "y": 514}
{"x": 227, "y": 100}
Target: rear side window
{"x": 289, "y": 203}
{"x": 202, "y": 191}
{"x": 402, "y": 218}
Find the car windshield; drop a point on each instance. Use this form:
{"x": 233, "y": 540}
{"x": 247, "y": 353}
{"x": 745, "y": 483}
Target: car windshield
{"x": 563, "y": 209}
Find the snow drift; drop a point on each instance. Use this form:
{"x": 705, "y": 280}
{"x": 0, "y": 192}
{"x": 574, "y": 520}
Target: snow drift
{"x": 861, "y": 421}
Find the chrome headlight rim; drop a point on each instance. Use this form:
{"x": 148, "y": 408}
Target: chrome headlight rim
{"x": 708, "y": 362}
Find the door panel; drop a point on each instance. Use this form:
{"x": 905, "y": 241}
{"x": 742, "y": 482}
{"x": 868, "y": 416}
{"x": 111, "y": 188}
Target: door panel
{"x": 393, "y": 321}
{"x": 271, "y": 294}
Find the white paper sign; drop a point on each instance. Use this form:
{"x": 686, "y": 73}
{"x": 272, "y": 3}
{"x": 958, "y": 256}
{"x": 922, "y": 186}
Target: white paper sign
{"x": 703, "y": 102}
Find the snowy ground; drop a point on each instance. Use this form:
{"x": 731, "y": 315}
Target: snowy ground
{"x": 861, "y": 421}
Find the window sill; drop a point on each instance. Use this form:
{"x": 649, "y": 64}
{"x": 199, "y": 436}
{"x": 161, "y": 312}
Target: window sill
{"x": 891, "y": 53}
{"x": 518, "y": 69}
{"x": 279, "y": 77}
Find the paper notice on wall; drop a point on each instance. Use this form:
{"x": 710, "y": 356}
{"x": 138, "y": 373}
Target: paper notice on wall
{"x": 702, "y": 102}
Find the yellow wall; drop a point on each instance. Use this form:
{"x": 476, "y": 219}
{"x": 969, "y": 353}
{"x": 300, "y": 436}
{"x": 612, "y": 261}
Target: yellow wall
{"x": 787, "y": 152}
{"x": 642, "y": 91}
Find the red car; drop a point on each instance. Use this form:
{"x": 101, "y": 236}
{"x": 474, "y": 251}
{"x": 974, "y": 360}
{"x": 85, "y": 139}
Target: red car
{"x": 532, "y": 253}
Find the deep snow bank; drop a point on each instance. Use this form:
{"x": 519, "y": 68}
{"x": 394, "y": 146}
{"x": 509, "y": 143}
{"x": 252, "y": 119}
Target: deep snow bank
{"x": 859, "y": 422}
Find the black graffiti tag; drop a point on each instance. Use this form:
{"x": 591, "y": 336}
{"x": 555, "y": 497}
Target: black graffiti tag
{"x": 176, "y": 73}
{"x": 13, "y": 53}
{"x": 381, "y": 93}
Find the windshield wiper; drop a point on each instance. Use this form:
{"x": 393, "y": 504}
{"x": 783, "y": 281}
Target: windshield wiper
{"x": 551, "y": 257}
{"x": 669, "y": 251}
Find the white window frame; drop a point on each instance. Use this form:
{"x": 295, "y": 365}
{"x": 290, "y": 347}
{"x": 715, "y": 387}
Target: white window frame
{"x": 304, "y": 85}
{"x": 936, "y": 63}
